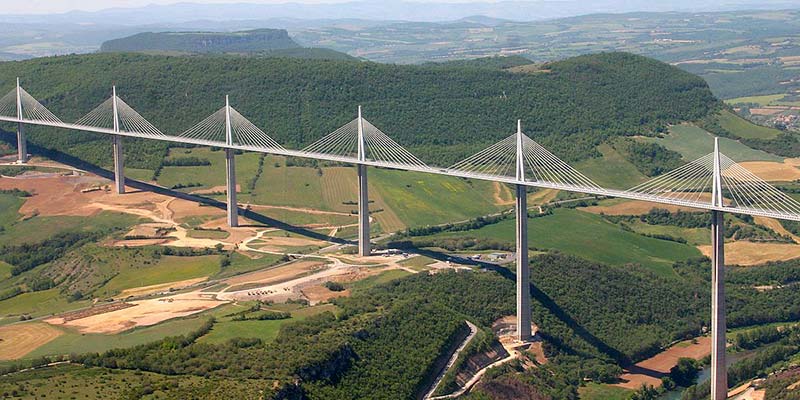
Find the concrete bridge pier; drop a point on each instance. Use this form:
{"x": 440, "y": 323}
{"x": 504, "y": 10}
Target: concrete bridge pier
{"x": 119, "y": 158}
{"x": 719, "y": 371}
{"x": 523, "y": 267}
{"x": 119, "y": 164}
{"x": 230, "y": 173}
{"x": 22, "y": 144}
{"x": 364, "y": 245}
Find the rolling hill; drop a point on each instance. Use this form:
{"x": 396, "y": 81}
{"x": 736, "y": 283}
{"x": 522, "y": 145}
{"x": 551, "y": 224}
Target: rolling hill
{"x": 441, "y": 113}
{"x": 255, "y": 41}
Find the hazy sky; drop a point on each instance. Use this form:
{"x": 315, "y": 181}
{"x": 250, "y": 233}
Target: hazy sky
{"x": 56, "y": 6}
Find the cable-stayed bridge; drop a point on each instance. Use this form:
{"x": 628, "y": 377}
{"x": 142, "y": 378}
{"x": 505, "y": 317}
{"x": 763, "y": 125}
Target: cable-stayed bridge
{"x": 713, "y": 182}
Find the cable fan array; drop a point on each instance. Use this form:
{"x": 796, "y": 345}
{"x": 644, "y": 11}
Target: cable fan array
{"x": 540, "y": 165}
{"x": 130, "y": 121}
{"x": 32, "y": 110}
{"x": 689, "y": 185}
{"x": 379, "y": 147}
{"x": 747, "y": 192}
{"x": 243, "y": 132}
{"x": 692, "y": 184}
{"x": 343, "y": 142}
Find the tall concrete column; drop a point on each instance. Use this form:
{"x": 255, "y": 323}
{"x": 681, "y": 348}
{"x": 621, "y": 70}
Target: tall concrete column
{"x": 119, "y": 164}
{"x": 22, "y": 144}
{"x": 119, "y": 158}
{"x": 719, "y": 371}
{"x": 364, "y": 247}
{"x": 523, "y": 268}
{"x": 230, "y": 173}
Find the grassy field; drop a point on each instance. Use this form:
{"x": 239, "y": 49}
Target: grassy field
{"x": 383, "y": 277}
{"x": 299, "y": 217}
{"x": 143, "y": 175}
{"x": 207, "y": 176}
{"x": 166, "y": 269}
{"x": 226, "y": 329}
{"x": 611, "y": 170}
{"x": 764, "y": 100}
{"x": 418, "y": 263}
{"x": 73, "y": 342}
{"x": 596, "y": 391}
{"x": 9, "y": 207}
{"x": 300, "y": 186}
{"x": 590, "y": 236}
{"x": 207, "y": 234}
{"x": 745, "y": 129}
{"x": 397, "y": 199}
{"x": 423, "y": 199}
{"x": 693, "y": 143}
{"x": 241, "y": 264}
{"x": 694, "y": 236}
{"x": 36, "y": 304}
{"x": 5, "y": 270}
{"x": 39, "y": 228}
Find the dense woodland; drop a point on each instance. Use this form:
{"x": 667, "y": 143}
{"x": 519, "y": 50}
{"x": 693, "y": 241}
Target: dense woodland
{"x": 441, "y": 113}
{"x": 592, "y": 317}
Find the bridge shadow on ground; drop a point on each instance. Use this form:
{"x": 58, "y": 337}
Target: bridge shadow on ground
{"x": 551, "y": 306}
{"x": 75, "y": 162}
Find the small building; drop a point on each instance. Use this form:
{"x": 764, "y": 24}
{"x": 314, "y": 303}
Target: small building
{"x": 497, "y": 256}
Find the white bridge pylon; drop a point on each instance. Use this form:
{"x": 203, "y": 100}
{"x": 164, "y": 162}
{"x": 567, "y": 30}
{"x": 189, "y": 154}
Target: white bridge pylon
{"x": 114, "y": 114}
{"x": 360, "y": 141}
{"x": 740, "y": 191}
{"x": 18, "y": 103}
{"x": 228, "y": 127}
{"x": 520, "y": 158}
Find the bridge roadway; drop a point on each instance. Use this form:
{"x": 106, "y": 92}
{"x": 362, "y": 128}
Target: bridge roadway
{"x": 595, "y": 191}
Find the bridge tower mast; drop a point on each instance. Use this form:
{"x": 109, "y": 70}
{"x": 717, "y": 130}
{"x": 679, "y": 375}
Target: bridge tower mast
{"x": 230, "y": 169}
{"x": 719, "y": 371}
{"x": 523, "y": 267}
{"x": 22, "y": 144}
{"x": 363, "y": 194}
{"x": 119, "y": 158}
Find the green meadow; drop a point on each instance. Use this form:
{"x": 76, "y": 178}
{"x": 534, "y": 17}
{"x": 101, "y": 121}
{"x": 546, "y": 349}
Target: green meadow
{"x": 9, "y": 207}
{"x": 611, "y": 170}
{"x": 207, "y": 176}
{"x": 743, "y": 128}
{"x": 36, "y": 304}
{"x": 423, "y": 199}
{"x": 74, "y": 342}
{"x": 226, "y": 329}
{"x": 693, "y": 142}
{"x": 764, "y": 100}
{"x": 164, "y": 270}
{"x": 591, "y": 237}
{"x": 694, "y": 236}
{"x": 39, "y": 228}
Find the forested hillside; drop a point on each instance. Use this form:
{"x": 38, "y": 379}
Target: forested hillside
{"x": 442, "y": 113}
{"x": 589, "y": 315}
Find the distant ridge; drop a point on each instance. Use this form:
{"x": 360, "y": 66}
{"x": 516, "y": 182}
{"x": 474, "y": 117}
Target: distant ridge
{"x": 253, "y": 41}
